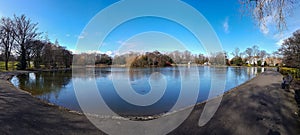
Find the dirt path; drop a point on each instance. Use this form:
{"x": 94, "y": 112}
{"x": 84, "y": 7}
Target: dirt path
{"x": 257, "y": 107}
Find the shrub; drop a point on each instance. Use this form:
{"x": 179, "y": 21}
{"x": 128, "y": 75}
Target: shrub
{"x": 293, "y": 71}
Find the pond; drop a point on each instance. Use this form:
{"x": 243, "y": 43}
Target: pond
{"x": 58, "y": 87}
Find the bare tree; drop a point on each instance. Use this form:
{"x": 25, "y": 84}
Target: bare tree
{"x": 218, "y": 58}
{"x": 37, "y": 48}
{"x": 255, "y": 50}
{"x": 47, "y": 55}
{"x": 263, "y": 54}
{"x": 236, "y": 52}
{"x": 25, "y": 31}
{"x": 201, "y": 59}
{"x": 249, "y": 52}
{"x": 263, "y": 10}
{"x": 187, "y": 56}
{"x": 7, "y": 38}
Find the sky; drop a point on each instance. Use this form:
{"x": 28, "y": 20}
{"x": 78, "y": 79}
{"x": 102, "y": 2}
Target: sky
{"x": 66, "y": 20}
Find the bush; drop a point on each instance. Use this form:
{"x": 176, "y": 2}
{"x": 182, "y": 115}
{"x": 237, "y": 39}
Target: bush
{"x": 152, "y": 59}
{"x": 293, "y": 71}
{"x": 238, "y": 61}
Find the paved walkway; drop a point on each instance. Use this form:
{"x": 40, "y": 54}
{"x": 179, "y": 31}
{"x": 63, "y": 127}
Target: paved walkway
{"x": 257, "y": 107}
{"x": 22, "y": 114}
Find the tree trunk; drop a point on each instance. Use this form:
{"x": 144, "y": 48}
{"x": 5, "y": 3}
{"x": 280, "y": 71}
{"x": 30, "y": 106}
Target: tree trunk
{"x": 28, "y": 60}
{"x": 6, "y": 64}
{"x": 23, "y": 58}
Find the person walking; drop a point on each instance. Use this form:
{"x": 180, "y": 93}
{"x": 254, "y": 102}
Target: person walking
{"x": 286, "y": 82}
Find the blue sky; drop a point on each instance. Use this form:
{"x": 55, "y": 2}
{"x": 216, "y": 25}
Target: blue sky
{"x": 65, "y": 20}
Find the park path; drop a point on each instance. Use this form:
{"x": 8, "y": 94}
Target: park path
{"x": 22, "y": 114}
{"x": 257, "y": 107}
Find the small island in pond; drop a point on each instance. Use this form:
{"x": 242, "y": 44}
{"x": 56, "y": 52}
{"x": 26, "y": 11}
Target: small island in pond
{"x": 152, "y": 59}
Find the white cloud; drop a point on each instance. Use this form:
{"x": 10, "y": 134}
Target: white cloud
{"x": 280, "y": 37}
{"x": 279, "y": 43}
{"x": 75, "y": 51}
{"x": 81, "y": 37}
{"x": 264, "y": 29}
{"x": 268, "y": 23}
{"x": 120, "y": 42}
{"x": 226, "y": 25}
{"x": 92, "y": 51}
{"x": 109, "y": 52}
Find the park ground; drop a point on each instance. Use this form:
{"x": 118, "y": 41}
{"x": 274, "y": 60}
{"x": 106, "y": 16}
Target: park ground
{"x": 258, "y": 106}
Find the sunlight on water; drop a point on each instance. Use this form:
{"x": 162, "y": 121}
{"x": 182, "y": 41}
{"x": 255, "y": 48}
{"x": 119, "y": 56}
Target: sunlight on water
{"x": 57, "y": 87}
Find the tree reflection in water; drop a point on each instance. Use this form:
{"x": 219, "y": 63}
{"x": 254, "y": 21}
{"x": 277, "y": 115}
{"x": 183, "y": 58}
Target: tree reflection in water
{"x": 43, "y": 84}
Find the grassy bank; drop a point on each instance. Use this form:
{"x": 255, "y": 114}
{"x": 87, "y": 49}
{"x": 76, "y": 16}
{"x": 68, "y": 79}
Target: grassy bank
{"x": 295, "y": 72}
{"x": 11, "y": 65}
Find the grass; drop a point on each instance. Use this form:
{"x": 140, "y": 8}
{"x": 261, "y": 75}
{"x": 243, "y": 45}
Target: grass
{"x": 11, "y": 65}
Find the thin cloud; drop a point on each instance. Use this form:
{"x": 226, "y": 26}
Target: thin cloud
{"x": 120, "y": 42}
{"x": 108, "y": 52}
{"x": 264, "y": 29}
{"x": 81, "y": 37}
{"x": 280, "y": 37}
{"x": 74, "y": 51}
{"x": 226, "y": 25}
{"x": 279, "y": 43}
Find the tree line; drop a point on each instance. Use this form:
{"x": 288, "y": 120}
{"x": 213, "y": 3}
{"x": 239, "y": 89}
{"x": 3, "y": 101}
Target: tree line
{"x": 290, "y": 50}
{"x": 20, "y": 40}
{"x": 148, "y": 59}
{"x": 19, "y": 37}
{"x": 253, "y": 56}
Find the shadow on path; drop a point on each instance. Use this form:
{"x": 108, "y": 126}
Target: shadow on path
{"x": 259, "y": 106}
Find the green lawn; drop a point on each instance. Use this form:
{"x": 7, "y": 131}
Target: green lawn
{"x": 10, "y": 65}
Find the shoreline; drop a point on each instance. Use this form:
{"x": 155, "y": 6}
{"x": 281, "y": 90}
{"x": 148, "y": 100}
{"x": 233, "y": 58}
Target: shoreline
{"x": 188, "y": 127}
{"x": 255, "y": 107}
{"x": 134, "y": 118}
{"x": 22, "y": 113}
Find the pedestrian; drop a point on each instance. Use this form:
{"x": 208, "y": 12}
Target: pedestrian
{"x": 283, "y": 82}
{"x": 286, "y": 82}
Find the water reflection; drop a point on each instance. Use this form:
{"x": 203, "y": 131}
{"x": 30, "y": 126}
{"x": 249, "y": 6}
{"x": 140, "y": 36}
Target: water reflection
{"x": 57, "y": 87}
{"x": 41, "y": 83}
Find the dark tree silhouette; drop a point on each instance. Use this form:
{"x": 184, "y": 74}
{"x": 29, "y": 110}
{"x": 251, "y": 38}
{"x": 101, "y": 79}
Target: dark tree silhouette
{"x": 24, "y": 31}
{"x": 7, "y": 38}
{"x": 36, "y": 49}
{"x": 152, "y": 59}
{"x": 290, "y": 50}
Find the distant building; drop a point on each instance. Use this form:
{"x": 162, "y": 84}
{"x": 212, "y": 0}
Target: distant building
{"x": 271, "y": 61}
{"x": 253, "y": 61}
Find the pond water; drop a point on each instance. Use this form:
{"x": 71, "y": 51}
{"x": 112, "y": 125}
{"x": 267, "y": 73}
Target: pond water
{"x": 58, "y": 88}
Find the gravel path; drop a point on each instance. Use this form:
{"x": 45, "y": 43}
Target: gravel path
{"x": 257, "y": 107}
